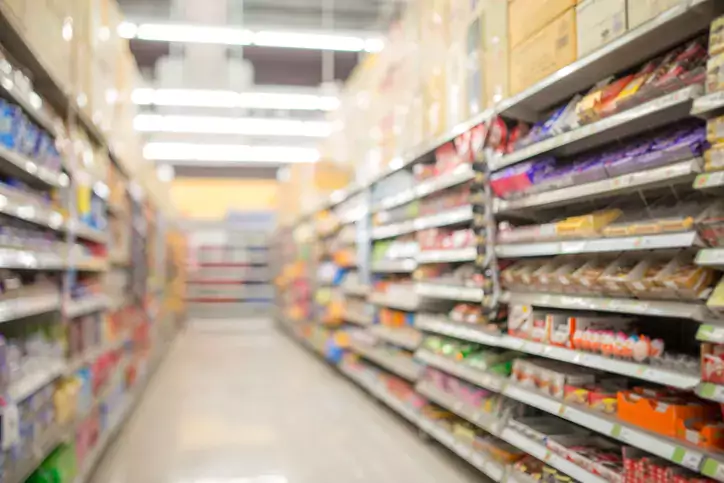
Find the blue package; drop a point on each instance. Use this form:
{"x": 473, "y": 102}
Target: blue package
{"x": 29, "y": 139}
{"x": 11, "y": 125}
{"x": 42, "y": 148}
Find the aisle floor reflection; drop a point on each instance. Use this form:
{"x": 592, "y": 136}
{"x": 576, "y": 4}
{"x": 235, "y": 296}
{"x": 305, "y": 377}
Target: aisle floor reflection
{"x": 244, "y": 404}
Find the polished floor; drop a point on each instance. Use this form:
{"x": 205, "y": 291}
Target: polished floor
{"x": 241, "y": 403}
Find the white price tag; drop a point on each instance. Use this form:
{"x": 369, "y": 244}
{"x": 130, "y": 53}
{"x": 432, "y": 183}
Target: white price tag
{"x": 692, "y": 460}
{"x": 478, "y": 461}
{"x": 718, "y": 393}
{"x": 462, "y": 449}
{"x": 627, "y": 436}
{"x": 717, "y": 334}
{"x": 572, "y": 247}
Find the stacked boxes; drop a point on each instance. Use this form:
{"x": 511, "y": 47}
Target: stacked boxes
{"x": 544, "y": 51}
{"x": 598, "y": 23}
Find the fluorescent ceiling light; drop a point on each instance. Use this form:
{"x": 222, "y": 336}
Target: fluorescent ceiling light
{"x": 309, "y": 41}
{"x": 231, "y": 99}
{"x": 237, "y": 36}
{"x": 194, "y": 34}
{"x": 230, "y": 125}
{"x": 229, "y": 153}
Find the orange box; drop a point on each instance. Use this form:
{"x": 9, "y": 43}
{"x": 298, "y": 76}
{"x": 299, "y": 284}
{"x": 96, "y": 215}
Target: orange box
{"x": 703, "y": 433}
{"x": 660, "y": 415}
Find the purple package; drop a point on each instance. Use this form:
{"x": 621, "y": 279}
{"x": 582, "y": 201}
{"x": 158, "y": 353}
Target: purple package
{"x": 553, "y": 180}
{"x": 589, "y": 170}
{"x": 518, "y": 179}
{"x": 673, "y": 147}
{"x": 621, "y": 162}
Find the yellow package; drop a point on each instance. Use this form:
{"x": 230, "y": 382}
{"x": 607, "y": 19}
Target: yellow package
{"x": 715, "y": 73}
{"x": 716, "y": 36}
{"x": 715, "y": 130}
{"x": 587, "y": 225}
{"x": 714, "y": 158}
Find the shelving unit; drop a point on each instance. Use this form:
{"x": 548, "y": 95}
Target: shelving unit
{"x": 85, "y": 317}
{"x": 400, "y": 276}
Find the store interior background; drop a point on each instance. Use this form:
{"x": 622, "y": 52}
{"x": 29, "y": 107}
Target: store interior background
{"x": 252, "y": 186}
{"x": 500, "y": 219}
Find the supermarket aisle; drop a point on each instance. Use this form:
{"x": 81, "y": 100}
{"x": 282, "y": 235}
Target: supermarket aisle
{"x": 242, "y": 403}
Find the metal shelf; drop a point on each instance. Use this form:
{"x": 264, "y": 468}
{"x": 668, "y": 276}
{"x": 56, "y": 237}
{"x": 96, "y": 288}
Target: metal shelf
{"x": 32, "y": 383}
{"x": 30, "y": 260}
{"x": 86, "y": 305}
{"x": 406, "y": 265}
{"x": 484, "y": 421}
{"x": 440, "y": 324}
{"x": 686, "y": 239}
{"x": 468, "y": 254}
{"x": 645, "y": 372}
{"x": 664, "y": 32}
{"x": 355, "y": 290}
{"x": 454, "y": 216}
{"x": 460, "y": 175}
{"x": 449, "y": 292}
{"x": 380, "y": 392}
{"x": 481, "y": 461}
{"x": 653, "y": 114}
{"x": 22, "y": 167}
{"x": 674, "y": 450}
{"x": 357, "y": 318}
{"x": 405, "y": 368}
{"x": 24, "y": 207}
{"x": 659, "y": 308}
{"x": 89, "y": 264}
{"x": 408, "y": 303}
{"x": 405, "y": 337}
{"x": 446, "y": 218}
{"x": 393, "y": 229}
{"x": 490, "y": 381}
{"x": 14, "y": 309}
{"x": 681, "y": 172}
{"x": 83, "y": 231}
{"x": 709, "y": 106}
{"x": 92, "y": 354}
{"x": 541, "y": 452}
{"x": 710, "y": 257}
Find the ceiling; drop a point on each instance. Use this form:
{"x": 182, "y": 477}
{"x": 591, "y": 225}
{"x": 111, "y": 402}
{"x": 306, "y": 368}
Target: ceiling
{"x": 276, "y": 65}
{"x": 271, "y": 66}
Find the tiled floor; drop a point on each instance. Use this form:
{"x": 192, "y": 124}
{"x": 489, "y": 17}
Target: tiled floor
{"x": 243, "y": 404}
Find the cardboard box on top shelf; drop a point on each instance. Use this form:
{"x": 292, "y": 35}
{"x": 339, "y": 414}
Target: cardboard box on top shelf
{"x": 641, "y": 11}
{"x": 487, "y": 56}
{"x": 598, "y": 22}
{"x": 434, "y": 102}
{"x": 127, "y": 77}
{"x": 16, "y": 8}
{"x": 83, "y": 78}
{"x": 435, "y": 23}
{"x": 549, "y": 50}
{"x": 456, "y": 71}
{"x": 527, "y": 17}
{"x": 44, "y": 21}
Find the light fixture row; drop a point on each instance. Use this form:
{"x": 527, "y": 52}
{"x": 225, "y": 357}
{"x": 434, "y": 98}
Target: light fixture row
{"x": 232, "y": 100}
{"x": 228, "y": 153}
{"x": 220, "y": 35}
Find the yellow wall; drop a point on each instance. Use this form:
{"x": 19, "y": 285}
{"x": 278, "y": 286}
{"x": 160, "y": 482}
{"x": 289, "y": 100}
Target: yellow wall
{"x": 212, "y": 198}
